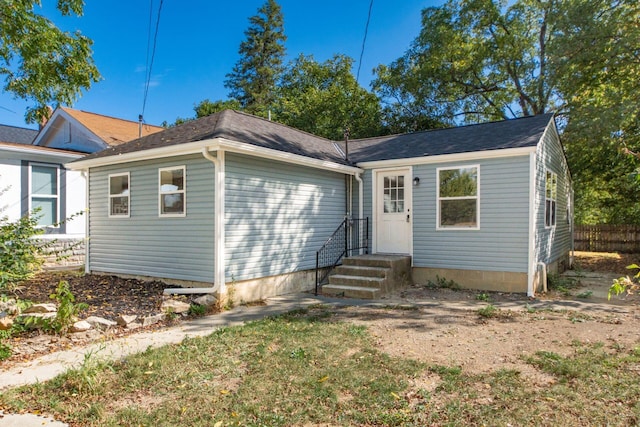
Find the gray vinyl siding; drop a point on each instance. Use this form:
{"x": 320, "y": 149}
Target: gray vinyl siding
{"x": 501, "y": 243}
{"x": 555, "y": 242}
{"x": 278, "y": 215}
{"x": 145, "y": 244}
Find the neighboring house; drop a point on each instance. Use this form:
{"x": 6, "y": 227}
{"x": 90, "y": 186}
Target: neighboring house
{"x": 236, "y": 200}
{"x": 32, "y": 172}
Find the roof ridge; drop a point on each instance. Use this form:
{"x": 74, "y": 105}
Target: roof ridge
{"x": 281, "y": 124}
{"x": 67, "y": 109}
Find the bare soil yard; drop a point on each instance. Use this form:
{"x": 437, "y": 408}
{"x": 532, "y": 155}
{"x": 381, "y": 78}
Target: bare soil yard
{"x": 435, "y": 325}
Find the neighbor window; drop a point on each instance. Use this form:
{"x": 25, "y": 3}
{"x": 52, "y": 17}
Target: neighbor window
{"x": 551, "y": 195}
{"x": 119, "y": 195}
{"x": 458, "y": 197}
{"x": 172, "y": 191}
{"x": 45, "y": 190}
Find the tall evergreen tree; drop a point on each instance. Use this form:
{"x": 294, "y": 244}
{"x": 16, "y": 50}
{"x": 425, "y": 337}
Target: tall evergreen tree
{"x": 254, "y": 77}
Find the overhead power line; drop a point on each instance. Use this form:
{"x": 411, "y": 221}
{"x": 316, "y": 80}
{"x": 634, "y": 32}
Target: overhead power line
{"x": 364, "y": 40}
{"x": 153, "y": 52}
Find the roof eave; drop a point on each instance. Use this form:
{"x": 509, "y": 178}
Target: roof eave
{"x": 442, "y": 158}
{"x": 213, "y": 145}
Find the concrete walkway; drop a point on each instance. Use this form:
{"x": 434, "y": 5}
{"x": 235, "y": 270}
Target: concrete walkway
{"x": 47, "y": 367}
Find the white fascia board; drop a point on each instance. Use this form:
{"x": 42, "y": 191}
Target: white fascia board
{"x": 268, "y": 153}
{"x": 151, "y": 154}
{"x": 213, "y": 145}
{"x": 458, "y": 157}
{"x": 65, "y": 156}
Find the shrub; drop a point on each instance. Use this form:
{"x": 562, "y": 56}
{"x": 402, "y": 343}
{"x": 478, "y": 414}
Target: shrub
{"x": 20, "y": 254}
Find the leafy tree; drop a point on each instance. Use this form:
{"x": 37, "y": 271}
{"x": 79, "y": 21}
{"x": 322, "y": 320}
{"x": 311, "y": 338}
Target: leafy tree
{"x": 40, "y": 62}
{"x": 253, "y": 79}
{"x": 599, "y": 62}
{"x": 475, "y": 59}
{"x": 479, "y": 60}
{"x": 324, "y": 98}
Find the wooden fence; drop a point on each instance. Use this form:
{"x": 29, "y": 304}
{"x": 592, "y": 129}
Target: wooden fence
{"x": 607, "y": 238}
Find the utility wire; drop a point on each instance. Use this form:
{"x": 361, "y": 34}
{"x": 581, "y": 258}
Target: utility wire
{"x": 153, "y": 54}
{"x": 364, "y": 40}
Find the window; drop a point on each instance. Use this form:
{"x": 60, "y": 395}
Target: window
{"x": 551, "y": 195}
{"x": 458, "y": 197}
{"x": 119, "y": 195}
{"x": 172, "y": 191}
{"x": 45, "y": 190}
{"x": 393, "y": 194}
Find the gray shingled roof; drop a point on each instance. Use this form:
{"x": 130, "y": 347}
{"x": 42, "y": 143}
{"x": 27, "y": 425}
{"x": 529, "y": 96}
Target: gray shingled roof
{"x": 241, "y": 127}
{"x": 17, "y": 135}
{"x": 515, "y": 133}
{"x": 235, "y": 126}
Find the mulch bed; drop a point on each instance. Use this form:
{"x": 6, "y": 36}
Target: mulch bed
{"x": 107, "y": 296}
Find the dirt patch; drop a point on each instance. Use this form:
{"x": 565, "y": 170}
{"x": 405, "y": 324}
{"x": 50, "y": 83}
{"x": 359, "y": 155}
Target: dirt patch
{"x": 435, "y": 325}
{"x": 443, "y": 335}
{"x": 605, "y": 262}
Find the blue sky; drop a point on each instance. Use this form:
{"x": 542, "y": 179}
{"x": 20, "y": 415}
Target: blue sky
{"x": 198, "y": 44}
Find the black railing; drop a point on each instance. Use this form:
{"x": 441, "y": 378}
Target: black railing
{"x": 351, "y": 236}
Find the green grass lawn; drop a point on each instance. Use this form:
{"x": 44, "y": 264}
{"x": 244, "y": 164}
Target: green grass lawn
{"x": 303, "y": 369}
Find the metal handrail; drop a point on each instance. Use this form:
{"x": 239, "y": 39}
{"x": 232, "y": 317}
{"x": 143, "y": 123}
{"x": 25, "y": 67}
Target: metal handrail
{"x": 345, "y": 240}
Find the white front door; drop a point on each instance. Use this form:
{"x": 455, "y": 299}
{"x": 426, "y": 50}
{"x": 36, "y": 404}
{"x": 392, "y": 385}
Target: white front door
{"x": 393, "y": 211}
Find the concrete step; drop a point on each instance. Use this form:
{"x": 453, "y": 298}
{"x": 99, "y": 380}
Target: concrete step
{"x": 386, "y": 261}
{"x": 358, "y": 270}
{"x": 351, "y": 291}
{"x": 363, "y": 281}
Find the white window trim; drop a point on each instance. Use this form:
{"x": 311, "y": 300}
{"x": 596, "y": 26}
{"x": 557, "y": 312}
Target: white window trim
{"x": 111, "y": 196}
{"x": 57, "y": 196}
{"x": 476, "y": 197}
{"x": 183, "y": 192}
{"x": 555, "y": 204}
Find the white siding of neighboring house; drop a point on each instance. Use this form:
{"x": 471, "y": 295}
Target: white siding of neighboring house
{"x": 67, "y": 135}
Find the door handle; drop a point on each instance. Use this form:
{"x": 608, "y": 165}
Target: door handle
{"x": 408, "y": 217}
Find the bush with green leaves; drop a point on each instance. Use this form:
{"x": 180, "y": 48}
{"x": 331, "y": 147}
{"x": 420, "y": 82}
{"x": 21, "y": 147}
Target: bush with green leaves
{"x": 20, "y": 254}
{"x": 68, "y": 309}
{"x": 626, "y": 284}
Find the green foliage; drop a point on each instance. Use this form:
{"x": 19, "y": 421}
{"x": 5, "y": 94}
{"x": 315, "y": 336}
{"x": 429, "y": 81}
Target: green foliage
{"x": 253, "y": 79}
{"x": 197, "y": 310}
{"x": 20, "y": 253}
{"x": 442, "y": 282}
{"x": 488, "y": 311}
{"x": 626, "y": 284}
{"x": 40, "y": 62}
{"x": 483, "y": 296}
{"x": 325, "y": 98}
{"x": 68, "y": 309}
{"x": 479, "y": 60}
{"x": 562, "y": 284}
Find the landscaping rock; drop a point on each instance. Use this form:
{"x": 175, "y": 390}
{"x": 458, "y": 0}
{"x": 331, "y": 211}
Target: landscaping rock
{"x": 80, "y": 326}
{"x": 175, "y": 306}
{"x": 207, "y": 300}
{"x": 10, "y": 306}
{"x": 151, "y": 320}
{"x": 6, "y": 323}
{"x": 134, "y": 325}
{"x": 124, "y": 319}
{"x": 41, "y": 308}
{"x": 100, "y": 322}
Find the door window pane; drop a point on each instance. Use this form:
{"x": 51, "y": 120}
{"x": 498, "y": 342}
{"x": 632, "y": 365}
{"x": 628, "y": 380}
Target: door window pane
{"x": 393, "y": 190}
